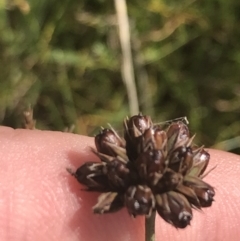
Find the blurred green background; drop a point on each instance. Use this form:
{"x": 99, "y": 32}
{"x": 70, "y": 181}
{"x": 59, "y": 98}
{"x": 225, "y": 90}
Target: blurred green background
{"x": 64, "y": 58}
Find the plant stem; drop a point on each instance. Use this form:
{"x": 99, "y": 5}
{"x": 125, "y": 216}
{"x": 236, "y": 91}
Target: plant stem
{"x": 150, "y": 227}
{"x": 127, "y": 61}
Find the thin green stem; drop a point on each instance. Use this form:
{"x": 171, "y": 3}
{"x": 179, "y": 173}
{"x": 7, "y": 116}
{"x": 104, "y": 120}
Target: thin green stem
{"x": 150, "y": 227}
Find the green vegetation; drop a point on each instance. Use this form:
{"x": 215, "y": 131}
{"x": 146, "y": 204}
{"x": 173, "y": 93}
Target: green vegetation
{"x": 64, "y": 58}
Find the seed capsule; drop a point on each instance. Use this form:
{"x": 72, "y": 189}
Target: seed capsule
{"x": 107, "y": 141}
{"x": 181, "y": 159}
{"x": 205, "y": 196}
{"x": 178, "y": 135}
{"x": 203, "y": 190}
{"x": 190, "y": 195}
{"x": 200, "y": 161}
{"x": 92, "y": 175}
{"x": 174, "y": 208}
{"x": 153, "y": 138}
{"x": 136, "y": 125}
{"x": 139, "y": 200}
{"x": 151, "y": 166}
{"x": 133, "y": 130}
{"x": 169, "y": 181}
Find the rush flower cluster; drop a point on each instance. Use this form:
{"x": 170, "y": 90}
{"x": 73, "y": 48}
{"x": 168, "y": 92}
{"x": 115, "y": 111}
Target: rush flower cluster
{"x": 153, "y": 168}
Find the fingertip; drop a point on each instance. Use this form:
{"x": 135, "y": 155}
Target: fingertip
{"x": 57, "y": 208}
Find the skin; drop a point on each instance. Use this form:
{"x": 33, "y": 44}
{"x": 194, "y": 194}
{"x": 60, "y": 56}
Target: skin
{"x": 39, "y": 200}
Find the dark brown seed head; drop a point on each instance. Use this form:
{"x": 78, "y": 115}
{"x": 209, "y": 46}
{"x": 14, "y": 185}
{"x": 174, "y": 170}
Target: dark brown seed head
{"x": 174, "y": 208}
{"x": 139, "y": 200}
{"x": 106, "y": 140}
{"x": 154, "y": 168}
